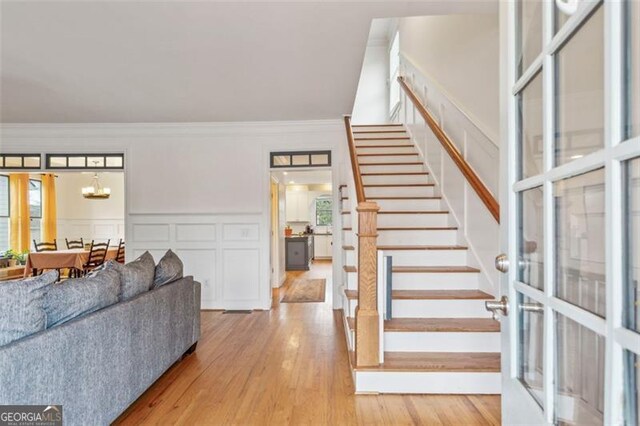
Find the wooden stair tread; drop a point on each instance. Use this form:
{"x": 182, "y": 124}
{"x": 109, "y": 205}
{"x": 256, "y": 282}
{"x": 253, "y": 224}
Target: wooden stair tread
{"x": 413, "y": 212}
{"x": 423, "y": 228}
{"x": 395, "y": 174}
{"x": 384, "y": 146}
{"x": 425, "y": 325}
{"x": 435, "y": 269}
{"x": 378, "y": 131}
{"x": 342, "y": 186}
{"x": 378, "y": 125}
{"x": 387, "y": 154}
{"x": 430, "y": 295}
{"x": 348, "y": 248}
{"x": 383, "y": 138}
{"x": 474, "y": 325}
{"x": 404, "y": 198}
{"x": 350, "y": 268}
{"x": 394, "y": 185}
{"x": 347, "y": 229}
{"x": 421, "y": 247}
{"x": 411, "y": 163}
{"x": 351, "y": 294}
{"x": 439, "y": 362}
{"x": 345, "y": 212}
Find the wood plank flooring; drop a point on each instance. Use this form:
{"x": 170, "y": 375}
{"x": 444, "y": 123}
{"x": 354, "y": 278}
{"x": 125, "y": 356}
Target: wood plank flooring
{"x": 287, "y": 366}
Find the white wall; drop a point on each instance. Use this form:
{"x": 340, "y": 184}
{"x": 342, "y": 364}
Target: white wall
{"x": 90, "y": 219}
{"x": 201, "y": 189}
{"x": 461, "y": 54}
{"x": 372, "y": 96}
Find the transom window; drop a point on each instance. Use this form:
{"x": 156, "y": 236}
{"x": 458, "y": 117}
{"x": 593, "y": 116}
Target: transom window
{"x": 20, "y": 161}
{"x": 85, "y": 161}
{"x": 300, "y": 159}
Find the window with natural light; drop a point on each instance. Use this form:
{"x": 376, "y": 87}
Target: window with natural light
{"x": 324, "y": 213}
{"x": 4, "y": 213}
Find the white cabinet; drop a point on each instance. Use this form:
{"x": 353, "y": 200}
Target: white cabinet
{"x": 297, "y": 206}
{"x": 322, "y": 246}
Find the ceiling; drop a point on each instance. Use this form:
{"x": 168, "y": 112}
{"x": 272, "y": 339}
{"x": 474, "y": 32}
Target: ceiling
{"x": 176, "y": 61}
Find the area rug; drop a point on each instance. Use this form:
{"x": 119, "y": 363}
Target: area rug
{"x": 305, "y": 291}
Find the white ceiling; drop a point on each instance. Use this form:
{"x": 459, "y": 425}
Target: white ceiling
{"x": 175, "y": 61}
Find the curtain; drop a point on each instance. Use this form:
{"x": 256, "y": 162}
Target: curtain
{"x": 20, "y": 231}
{"x": 49, "y": 208}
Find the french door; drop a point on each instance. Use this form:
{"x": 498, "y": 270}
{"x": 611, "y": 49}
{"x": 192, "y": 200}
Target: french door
{"x": 571, "y": 212}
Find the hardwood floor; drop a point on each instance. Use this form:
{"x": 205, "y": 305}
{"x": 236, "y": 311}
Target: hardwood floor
{"x": 288, "y": 366}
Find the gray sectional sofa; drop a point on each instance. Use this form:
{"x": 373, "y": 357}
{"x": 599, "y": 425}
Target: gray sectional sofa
{"x": 96, "y": 365}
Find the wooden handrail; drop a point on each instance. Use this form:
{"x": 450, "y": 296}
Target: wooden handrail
{"x": 357, "y": 177}
{"x": 483, "y": 192}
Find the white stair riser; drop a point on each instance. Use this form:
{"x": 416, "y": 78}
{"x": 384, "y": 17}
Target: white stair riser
{"x": 441, "y": 342}
{"x": 345, "y": 206}
{"x": 435, "y": 281}
{"x": 372, "y": 159}
{"x": 350, "y": 257}
{"x": 352, "y": 280}
{"x": 409, "y": 205}
{"x": 395, "y": 179}
{"x": 399, "y": 191}
{"x": 435, "y": 308}
{"x": 393, "y": 168}
{"x": 443, "y": 237}
{"x": 448, "y": 308}
{"x": 395, "y": 149}
{"x": 346, "y": 220}
{"x": 396, "y": 168}
{"x": 428, "y": 257}
{"x": 360, "y": 133}
{"x": 428, "y": 383}
{"x": 377, "y": 142}
{"x": 369, "y": 127}
{"x": 348, "y": 238}
{"x": 404, "y": 219}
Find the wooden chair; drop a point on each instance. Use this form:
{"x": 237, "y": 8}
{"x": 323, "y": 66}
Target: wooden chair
{"x": 120, "y": 252}
{"x": 45, "y": 246}
{"x": 97, "y": 254}
{"x": 74, "y": 244}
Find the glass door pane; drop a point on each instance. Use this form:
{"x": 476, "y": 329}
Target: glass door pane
{"x": 580, "y": 92}
{"x": 530, "y": 25}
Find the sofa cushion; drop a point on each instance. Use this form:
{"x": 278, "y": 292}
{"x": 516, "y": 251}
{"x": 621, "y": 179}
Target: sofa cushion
{"x": 21, "y": 306}
{"x": 136, "y": 277}
{"x": 73, "y": 298}
{"x": 168, "y": 269}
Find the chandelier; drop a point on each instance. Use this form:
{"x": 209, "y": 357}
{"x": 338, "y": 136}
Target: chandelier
{"x": 96, "y": 191}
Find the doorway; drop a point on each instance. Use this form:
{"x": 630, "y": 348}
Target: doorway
{"x": 302, "y": 217}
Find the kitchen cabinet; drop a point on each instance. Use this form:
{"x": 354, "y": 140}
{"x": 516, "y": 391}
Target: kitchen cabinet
{"x": 297, "y": 206}
{"x": 299, "y": 252}
{"x": 323, "y": 247}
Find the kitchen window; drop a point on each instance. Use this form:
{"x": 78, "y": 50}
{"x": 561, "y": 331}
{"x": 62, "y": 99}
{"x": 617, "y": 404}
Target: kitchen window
{"x": 324, "y": 211}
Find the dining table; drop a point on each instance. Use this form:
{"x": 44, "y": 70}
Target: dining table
{"x": 61, "y": 259}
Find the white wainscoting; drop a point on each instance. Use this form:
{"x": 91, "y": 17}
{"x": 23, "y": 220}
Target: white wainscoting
{"x": 227, "y": 254}
{"x": 91, "y": 229}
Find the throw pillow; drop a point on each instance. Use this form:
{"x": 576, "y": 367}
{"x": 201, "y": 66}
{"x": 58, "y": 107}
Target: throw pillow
{"x": 136, "y": 277}
{"x": 168, "y": 269}
{"x": 73, "y": 298}
{"x": 21, "y": 310}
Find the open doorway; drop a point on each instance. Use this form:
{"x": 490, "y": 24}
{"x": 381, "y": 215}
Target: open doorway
{"x": 302, "y": 235}
{"x": 51, "y": 213}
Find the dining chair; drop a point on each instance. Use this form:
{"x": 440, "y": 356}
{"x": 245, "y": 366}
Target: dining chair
{"x": 120, "y": 252}
{"x": 75, "y": 244}
{"x": 97, "y": 255}
{"x": 45, "y": 246}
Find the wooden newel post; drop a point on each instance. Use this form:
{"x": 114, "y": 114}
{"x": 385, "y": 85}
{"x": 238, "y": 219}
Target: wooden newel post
{"x": 367, "y": 315}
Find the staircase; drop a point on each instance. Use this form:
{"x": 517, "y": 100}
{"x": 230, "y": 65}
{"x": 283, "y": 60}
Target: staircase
{"x": 440, "y": 338}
